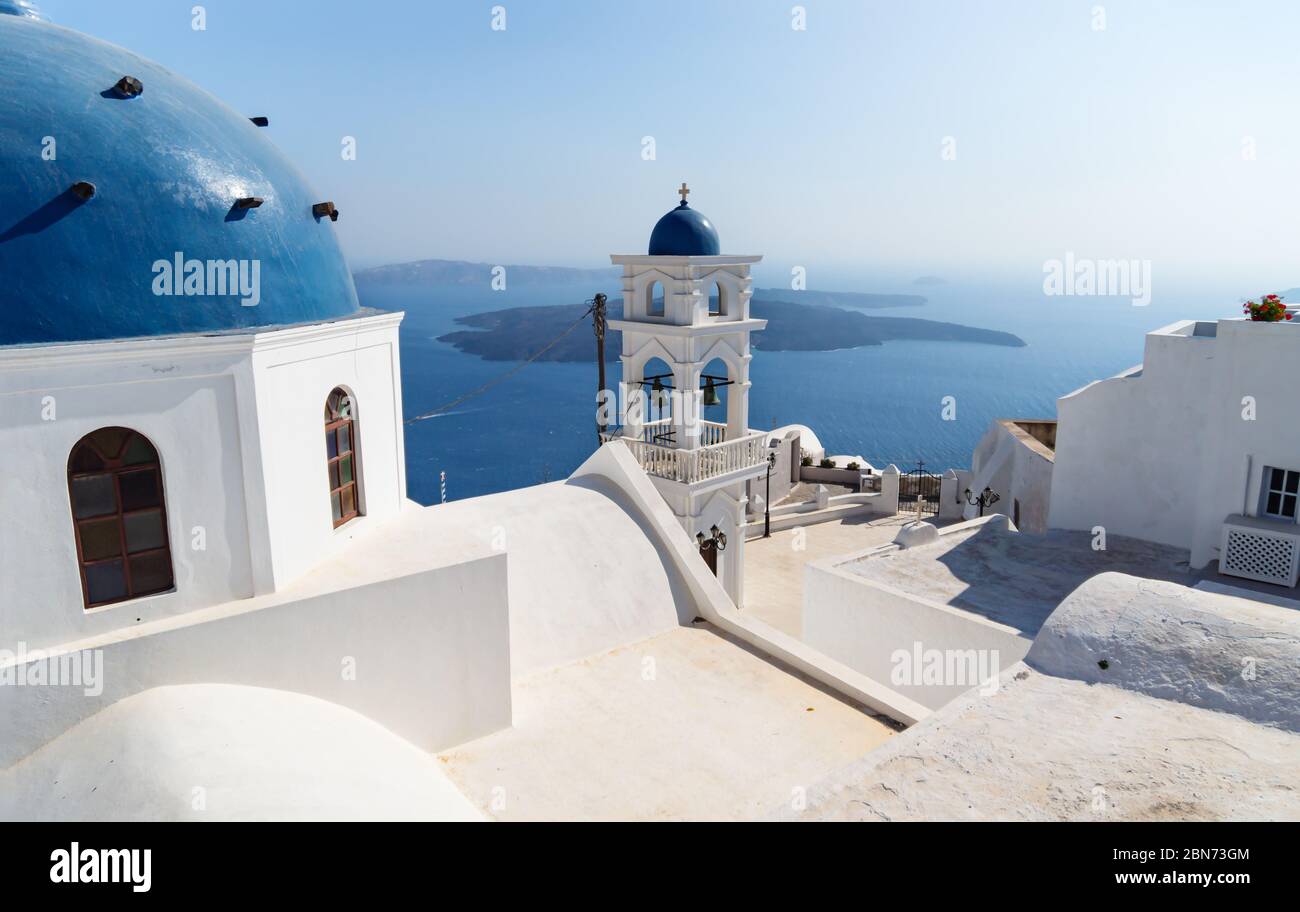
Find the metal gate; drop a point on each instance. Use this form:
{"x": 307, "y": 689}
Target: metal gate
{"x": 920, "y": 486}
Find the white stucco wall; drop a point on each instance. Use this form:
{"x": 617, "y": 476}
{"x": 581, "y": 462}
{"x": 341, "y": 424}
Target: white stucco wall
{"x": 425, "y": 653}
{"x": 1165, "y": 453}
{"x": 1019, "y": 469}
{"x": 237, "y": 421}
{"x": 185, "y": 398}
{"x": 864, "y": 623}
{"x": 294, "y": 371}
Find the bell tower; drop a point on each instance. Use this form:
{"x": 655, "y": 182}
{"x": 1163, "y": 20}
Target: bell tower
{"x": 686, "y": 306}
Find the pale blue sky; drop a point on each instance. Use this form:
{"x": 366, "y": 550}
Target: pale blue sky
{"x": 820, "y": 147}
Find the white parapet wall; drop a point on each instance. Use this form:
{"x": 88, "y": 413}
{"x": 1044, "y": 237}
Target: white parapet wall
{"x": 892, "y": 636}
{"x": 425, "y": 653}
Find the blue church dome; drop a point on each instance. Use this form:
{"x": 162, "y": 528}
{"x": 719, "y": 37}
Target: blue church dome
{"x": 104, "y": 184}
{"x": 684, "y": 232}
{"x": 20, "y": 8}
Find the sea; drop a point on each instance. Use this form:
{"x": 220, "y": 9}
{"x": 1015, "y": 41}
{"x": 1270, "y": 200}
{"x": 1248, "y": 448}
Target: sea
{"x": 902, "y": 402}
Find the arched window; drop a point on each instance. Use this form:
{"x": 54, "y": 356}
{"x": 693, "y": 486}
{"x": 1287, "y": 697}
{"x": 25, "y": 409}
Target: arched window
{"x": 341, "y": 451}
{"x": 654, "y": 300}
{"x": 717, "y": 301}
{"x": 120, "y": 517}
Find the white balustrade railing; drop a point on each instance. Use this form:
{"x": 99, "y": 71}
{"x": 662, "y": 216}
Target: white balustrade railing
{"x": 703, "y": 463}
{"x": 711, "y": 432}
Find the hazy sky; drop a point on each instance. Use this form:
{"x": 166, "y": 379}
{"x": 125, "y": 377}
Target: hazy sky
{"x": 1170, "y": 134}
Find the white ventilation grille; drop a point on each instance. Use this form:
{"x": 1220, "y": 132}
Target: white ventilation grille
{"x": 1264, "y": 554}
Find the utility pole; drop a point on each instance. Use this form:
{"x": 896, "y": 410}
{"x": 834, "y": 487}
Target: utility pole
{"x": 598, "y": 323}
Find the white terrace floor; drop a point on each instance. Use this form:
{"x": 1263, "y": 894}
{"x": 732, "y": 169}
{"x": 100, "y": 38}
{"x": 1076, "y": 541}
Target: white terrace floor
{"x": 774, "y": 567}
{"x": 688, "y": 724}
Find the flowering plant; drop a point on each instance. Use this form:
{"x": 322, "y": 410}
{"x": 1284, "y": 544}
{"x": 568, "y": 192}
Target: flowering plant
{"x": 1270, "y": 309}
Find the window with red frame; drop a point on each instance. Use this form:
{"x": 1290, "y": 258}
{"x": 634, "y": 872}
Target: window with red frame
{"x": 340, "y": 450}
{"x": 119, "y": 517}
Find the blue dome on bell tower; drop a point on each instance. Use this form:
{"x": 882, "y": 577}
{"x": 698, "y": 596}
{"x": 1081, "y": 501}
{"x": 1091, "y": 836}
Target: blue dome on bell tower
{"x": 684, "y": 232}
{"x": 114, "y": 165}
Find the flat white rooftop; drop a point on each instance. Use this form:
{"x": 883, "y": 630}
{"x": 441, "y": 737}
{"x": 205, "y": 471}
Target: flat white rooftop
{"x": 1015, "y": 579}
{"x": 686, "y": 725}
{"x": 1050, "y": 748}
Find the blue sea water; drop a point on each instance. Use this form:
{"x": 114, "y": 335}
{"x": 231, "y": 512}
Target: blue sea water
{"x": 884, "y": 403}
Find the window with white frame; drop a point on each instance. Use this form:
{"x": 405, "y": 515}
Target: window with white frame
{"x": 1278, "y": 493}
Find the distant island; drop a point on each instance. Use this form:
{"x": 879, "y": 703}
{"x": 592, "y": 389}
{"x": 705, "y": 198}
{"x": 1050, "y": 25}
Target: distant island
{"x": 797, "y": 320}
{"x": 520, "y": 332}
{"x": 461, "y": 272}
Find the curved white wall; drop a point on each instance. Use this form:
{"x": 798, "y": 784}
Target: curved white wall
{"x": 584, "y": 577}
{"x": 221, "y": 753}
{"x": 1207, "y": 649}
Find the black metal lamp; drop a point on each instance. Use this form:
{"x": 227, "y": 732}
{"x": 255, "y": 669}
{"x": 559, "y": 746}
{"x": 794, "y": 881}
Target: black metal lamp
{"x": 988, "y": 497}
{"x": 767, "y": 499}
{"x": 717, "y": 537}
